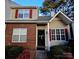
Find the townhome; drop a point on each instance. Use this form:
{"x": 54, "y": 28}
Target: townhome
{"x": 25, "y": 28}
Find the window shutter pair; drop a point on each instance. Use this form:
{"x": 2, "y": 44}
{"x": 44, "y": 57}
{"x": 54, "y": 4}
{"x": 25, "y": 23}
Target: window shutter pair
{"x": 30, "y": 14}
{"x": 66, "y": 34}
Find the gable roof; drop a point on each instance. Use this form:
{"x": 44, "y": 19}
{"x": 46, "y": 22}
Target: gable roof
{"x": 63, "y": 17}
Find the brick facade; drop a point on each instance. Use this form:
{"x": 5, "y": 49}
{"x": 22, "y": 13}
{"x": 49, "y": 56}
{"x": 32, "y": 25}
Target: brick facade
{"x": 31, "y": 35}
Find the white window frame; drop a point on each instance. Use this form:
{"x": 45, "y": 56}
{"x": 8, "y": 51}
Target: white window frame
{"x": 58, "y": 34}
{"x": 23, "y": 12}
{"x": 63, "y": 34}
{"x": 52, "y": 34}
{"x": 19, "y": 29}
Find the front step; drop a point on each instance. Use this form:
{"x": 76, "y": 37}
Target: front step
{"x": 40, "y": 48}
{"x": 41, "y": 54}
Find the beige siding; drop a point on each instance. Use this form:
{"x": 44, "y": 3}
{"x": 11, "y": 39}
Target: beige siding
{"x": 34, "y": 15}
{"x": 12, "y": 14}
{"x": 57, "y": 23}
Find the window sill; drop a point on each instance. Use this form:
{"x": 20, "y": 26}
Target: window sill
{"x": 19, "y": 42}
{"x": 22, "y": 18}
{"x": 58, "y": 40}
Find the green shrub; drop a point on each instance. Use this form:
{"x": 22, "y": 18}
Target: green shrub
{"x": 58, "y": 50}
{"x": 71, "y": 45}
{"x": 11, "y": 52}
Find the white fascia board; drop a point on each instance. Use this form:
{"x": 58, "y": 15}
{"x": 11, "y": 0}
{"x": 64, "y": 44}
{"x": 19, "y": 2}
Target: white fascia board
{"x": 54, "y": 16}
{"x": 62, "y": 14}
{"x": 66, "y": 16}
{"x": 26, "y": 21}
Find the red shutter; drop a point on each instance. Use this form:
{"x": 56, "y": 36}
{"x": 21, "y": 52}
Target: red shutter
{"x": 16, "y": 14}
{"x": 30, "y": 13}
{"x": 66, "y": 30}
{"x": 50, "y": 34}
{"x": 66, "y": 33}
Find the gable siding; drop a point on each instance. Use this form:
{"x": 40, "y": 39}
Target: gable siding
{"x": 12, "y": 14}
{"x": 57, "y": 23}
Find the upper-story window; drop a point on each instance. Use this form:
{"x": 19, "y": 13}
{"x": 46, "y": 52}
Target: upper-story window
{"x": 23, "y": 13}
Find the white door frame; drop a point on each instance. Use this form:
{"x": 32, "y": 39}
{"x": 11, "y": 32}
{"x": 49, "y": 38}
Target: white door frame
{"x": 37, "y": 35}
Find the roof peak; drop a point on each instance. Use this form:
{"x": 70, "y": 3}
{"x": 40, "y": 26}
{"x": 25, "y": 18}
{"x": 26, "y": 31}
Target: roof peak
{"x": 65, "y": 18}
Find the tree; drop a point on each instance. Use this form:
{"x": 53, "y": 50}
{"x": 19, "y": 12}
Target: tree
{"x": 48, "y": 5}
{"x": 66, "y": 6}
{"x": 44, "y": 10}
{"x": 52, "y": 3}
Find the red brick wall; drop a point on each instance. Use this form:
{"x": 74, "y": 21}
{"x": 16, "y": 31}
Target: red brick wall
{"x": 31, "y": 35}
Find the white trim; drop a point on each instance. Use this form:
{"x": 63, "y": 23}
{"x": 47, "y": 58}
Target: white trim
{"x": 19, "y": 41}
{"x": 37, "y": 35}
{"x": 66, "y": 16}
{"x": 69, "y": 32}
{"x": 48, "y": 38}
{"x": 54, "y": 16}
{"x": 58, "y": 28}
{"x": 59, "y": 34}
{"x": 24, "y": 21}
{"x": 62, "y": 14}
{"x": 23, "y": 12}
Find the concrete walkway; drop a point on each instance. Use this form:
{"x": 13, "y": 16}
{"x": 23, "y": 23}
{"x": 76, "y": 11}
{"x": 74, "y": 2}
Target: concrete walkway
{"x": 41, "y": 54}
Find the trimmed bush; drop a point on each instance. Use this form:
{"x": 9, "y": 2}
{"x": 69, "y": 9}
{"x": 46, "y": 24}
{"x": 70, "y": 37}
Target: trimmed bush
{"x": 12, "y": 52}
{"x": 58, "y": 50}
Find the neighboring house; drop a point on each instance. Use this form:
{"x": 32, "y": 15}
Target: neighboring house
{"x": 25, "y": 28}
{"x": 8, "y": 4}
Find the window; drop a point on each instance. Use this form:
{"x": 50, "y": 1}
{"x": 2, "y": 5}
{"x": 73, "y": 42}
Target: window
{"x": 58, "y": 34}
{"x": 53, "y": 34}
{"x": 62, "y": 34}
{"x": 19, "y": 35}
{"x": 23, "y": 13}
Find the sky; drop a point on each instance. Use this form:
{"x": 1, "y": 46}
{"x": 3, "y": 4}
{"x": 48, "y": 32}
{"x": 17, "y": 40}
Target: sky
{"x": 37, "y": 3}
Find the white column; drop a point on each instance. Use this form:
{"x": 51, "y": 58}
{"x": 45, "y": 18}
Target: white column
{"x": 69, "y": 32}
{"x": 36, "y": 36}
{"x": 48, "y": 39}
